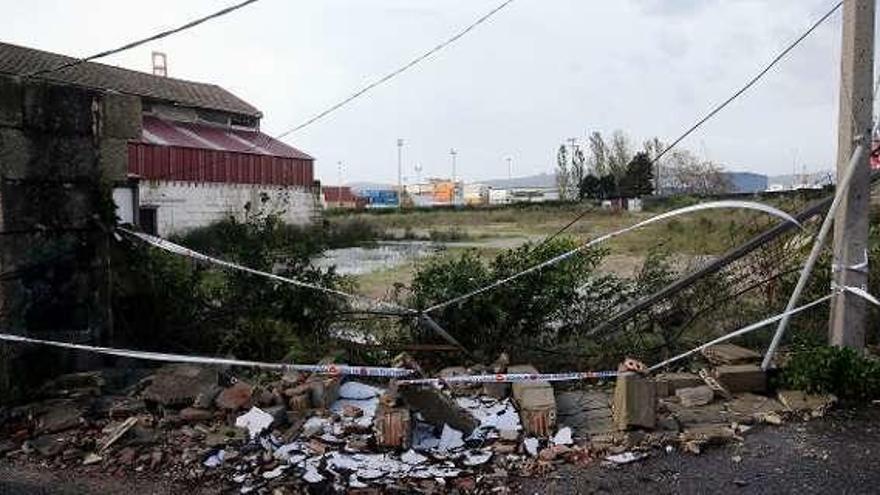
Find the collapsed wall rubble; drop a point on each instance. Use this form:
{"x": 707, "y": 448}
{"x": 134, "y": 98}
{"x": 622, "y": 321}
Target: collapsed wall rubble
{"x": 300, "y": 431}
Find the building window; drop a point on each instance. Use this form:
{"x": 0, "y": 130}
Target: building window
{"x": 148, "y": 220}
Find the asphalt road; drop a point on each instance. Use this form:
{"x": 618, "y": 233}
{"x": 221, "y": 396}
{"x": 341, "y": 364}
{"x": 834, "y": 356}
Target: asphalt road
{"x": 835, "y": 454}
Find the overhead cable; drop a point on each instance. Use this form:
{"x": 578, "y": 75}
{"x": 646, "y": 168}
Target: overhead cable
{"x": 751, "y": 82}
{"x": 397, "y": 72}
{"x": 134, "y": 44}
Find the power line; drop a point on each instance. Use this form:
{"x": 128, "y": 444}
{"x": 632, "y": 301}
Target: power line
{"x": 140, "y": 42}
{"x": 397, "y": 72}
{"x": 751, "y": 82}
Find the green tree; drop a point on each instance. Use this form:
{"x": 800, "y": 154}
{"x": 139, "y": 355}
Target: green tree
{"x": 563, "y": 174}
{"x": 639, "y": 177}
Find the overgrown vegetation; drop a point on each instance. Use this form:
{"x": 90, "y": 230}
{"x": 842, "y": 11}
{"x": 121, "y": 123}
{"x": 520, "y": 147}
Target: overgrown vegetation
{"x": 164, "y": 301}
{"x": 843, "y": 372}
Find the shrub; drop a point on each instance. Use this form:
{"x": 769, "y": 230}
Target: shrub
{"x": 843, "y": 372}
{"x": 529, "y": 310}
{"x": 164, "y": 301}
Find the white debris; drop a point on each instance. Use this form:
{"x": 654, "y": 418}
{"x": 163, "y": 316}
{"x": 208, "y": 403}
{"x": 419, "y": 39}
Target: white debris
{"x": 255, "y": 421}
{"x": 450, "y": 439}
{"x": 215, "y": 460}
{"x": 423, "y": 437}
{"x": 563, "y": 437}
{"x": 492, "y": 414}
{"x": 412, "y": 458}
{"x": 240, "y": 478}
{"x": 247, "y": 489}
{"x": 312, "y": 475}
{"x": 531, "y": 446}
{"x": 370, "y": 474}
{"x": 477, "y": 457}
{"x": 358, "y": 391}
{"x": 314, "y": 426}
{"x": 284, "y": 452}
{"x": 626, "y": 457}
{"x": 271, "y": 475}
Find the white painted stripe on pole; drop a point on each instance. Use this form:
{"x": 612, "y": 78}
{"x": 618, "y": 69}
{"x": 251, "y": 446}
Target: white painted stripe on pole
{"x": 171, "y": 247}
{"x": 749, "y": 205}
{"x": 513, "y": 378}
{"x": 325, "y": 369}
{"x": 741, "y": 331}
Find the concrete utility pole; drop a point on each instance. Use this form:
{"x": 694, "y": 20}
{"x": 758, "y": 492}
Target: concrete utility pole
{"x": 850, "y": 268}
{"x": 399, "y": 173}
{"x": 509, "y": 160}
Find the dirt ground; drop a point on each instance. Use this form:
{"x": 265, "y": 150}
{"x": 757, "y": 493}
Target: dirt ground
{"x": 835, "y": 454}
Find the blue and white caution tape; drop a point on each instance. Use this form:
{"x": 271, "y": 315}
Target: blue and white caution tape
{"x": 324, "y": 369}
{"x": 741, "y": 331}
{"x": 513, "y": 378}
{"x": 177, "y": 249}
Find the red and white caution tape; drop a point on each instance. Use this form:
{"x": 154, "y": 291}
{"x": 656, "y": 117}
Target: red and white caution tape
{"x": 513, "y": 378}
{"x": 324, "y": 369}
{"x": 171, "y": 247}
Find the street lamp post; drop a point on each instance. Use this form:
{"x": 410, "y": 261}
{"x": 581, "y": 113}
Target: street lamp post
{"x": 453, "y": 153}
{"x": 399, "y": 173}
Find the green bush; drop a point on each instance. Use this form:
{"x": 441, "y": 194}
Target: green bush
{"x": 167, "y": 302}
{"x": 843, "y": 372}
{"x": 532, "y": 309}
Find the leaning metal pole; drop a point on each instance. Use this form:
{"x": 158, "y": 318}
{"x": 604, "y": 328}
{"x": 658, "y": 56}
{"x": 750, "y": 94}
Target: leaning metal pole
{"x": 857, "y": 156}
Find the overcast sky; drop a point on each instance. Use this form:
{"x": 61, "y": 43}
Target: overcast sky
{"x": 539, "y": 72}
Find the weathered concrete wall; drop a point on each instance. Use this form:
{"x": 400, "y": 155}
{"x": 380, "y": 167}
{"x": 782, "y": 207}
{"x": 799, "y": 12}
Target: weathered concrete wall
{"x": 61, "y": 148}
{"x": 183, "y": 206}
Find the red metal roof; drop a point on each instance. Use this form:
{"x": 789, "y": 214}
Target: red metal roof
{"x": 163, "y": 132}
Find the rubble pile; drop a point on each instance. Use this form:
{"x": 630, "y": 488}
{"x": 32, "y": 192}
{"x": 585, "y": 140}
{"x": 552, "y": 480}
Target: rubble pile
{"x": 291, "y": 432}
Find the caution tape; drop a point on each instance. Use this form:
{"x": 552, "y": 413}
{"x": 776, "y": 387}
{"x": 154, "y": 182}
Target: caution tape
{"x": 741, "y": 331}
{"x": 324, "y": 369}
{"x": 513, "y": 378}
{"x": 179, "y": 250}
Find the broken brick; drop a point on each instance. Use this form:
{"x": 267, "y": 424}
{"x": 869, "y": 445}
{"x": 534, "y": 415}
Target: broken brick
{"x": 392, "y": 427}
{"x": 238, "y": 396}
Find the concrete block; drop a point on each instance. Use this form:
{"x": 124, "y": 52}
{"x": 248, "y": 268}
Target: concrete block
{"x": 695, "y": 396}
{"x": 10, "y": 102}
{"x": 730, "y": 354}
{"x": 668, "y": 383}
{"x": 59, "y": 110}
{"x": 536, "y": 402}
{"x": 437, "y": 408}
{"x": 122, "y": 116}
{"x": 113, "y": 159}
{"x": 392, "y": 427}
{"x": 742, "y": 378}
{"x": 635, "y": 402}
{"x": 323, "y": 390}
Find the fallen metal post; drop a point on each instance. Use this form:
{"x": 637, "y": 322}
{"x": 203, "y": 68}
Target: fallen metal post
{"x": 857, "y": 156}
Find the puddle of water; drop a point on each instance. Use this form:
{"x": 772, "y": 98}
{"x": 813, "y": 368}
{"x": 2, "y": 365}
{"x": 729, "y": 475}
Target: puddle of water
{"x": 362, "y": 260}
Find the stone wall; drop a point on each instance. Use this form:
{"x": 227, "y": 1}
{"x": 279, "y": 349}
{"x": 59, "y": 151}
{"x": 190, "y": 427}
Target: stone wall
{"x": 61, "y": 150}
{"x": 181, "y": 206}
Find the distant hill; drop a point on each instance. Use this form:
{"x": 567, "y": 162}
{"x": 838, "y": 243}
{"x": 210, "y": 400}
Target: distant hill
{"x": 821, "y": 178}
{"x": 746, "y": 182}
